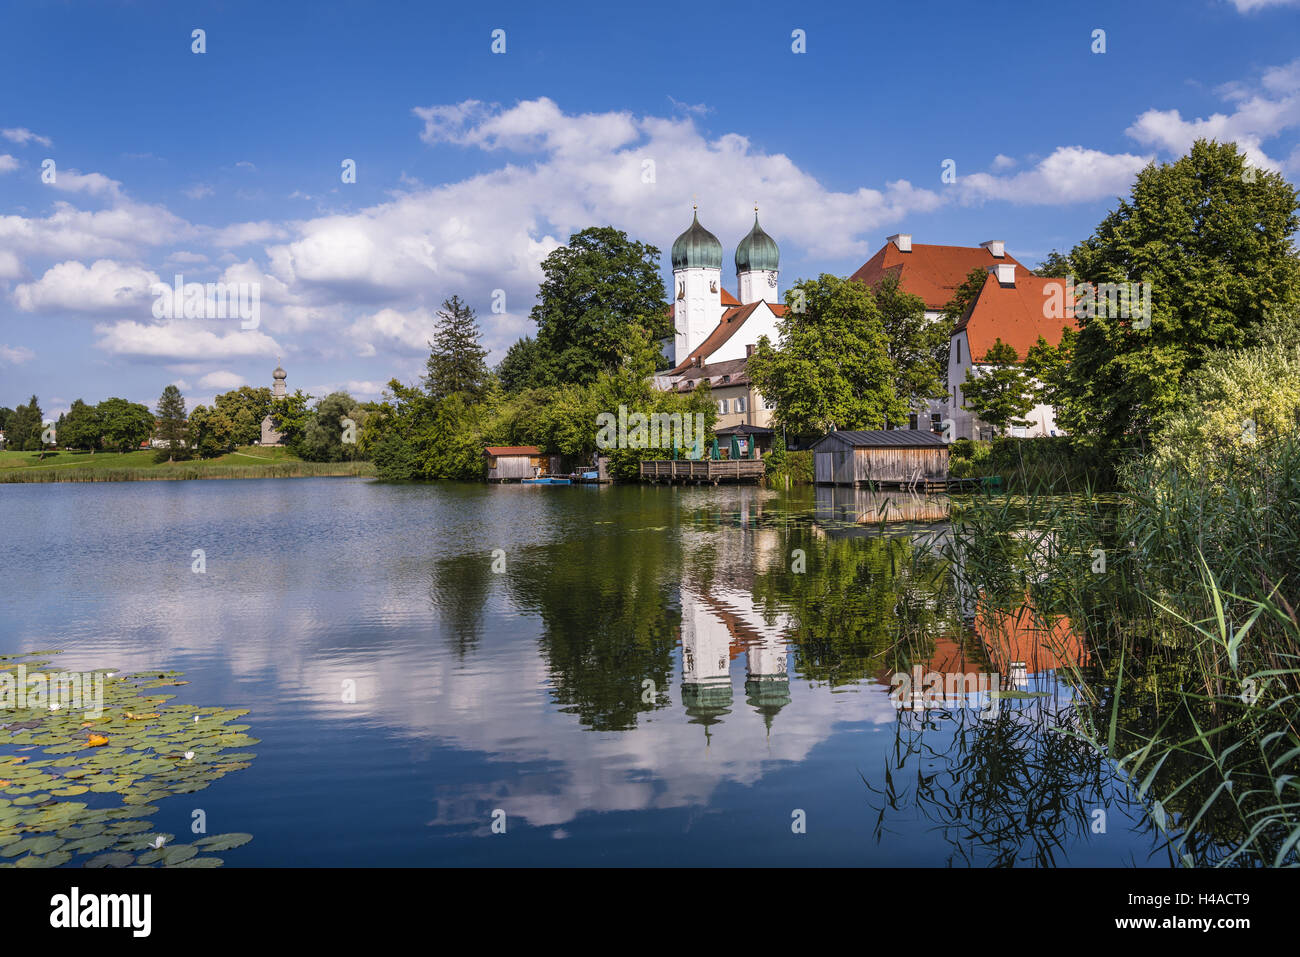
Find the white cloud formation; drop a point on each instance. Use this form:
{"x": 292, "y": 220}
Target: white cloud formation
{"x": 222, "y": 379}
{"x": 15, "y": 354}
{"x": 95, "y": 184}
{"x": 70, "y": 286}
{"x": 8, "y": 163}
{"x": 1260, "y": 114}
{"x": 185, "y": 339}
{"x": 10, "y": 267}
{"x": 198, "y": 191}
{"x": 1250, "y": 6}
{"x": 1072, "y": 174}
{"x": 22, "y": 136}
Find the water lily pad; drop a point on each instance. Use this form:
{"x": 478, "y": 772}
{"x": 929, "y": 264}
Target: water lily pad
{"x": 223, "y": 842}
{"x": 113, "y": 859}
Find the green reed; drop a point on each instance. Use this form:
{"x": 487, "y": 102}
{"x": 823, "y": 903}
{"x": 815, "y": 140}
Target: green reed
{"x": 1184, "y": 592}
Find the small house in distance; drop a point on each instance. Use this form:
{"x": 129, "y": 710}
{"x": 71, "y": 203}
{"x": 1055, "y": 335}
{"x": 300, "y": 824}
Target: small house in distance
{"x": 513, "y": 463}
{"x": 898, "y": 458}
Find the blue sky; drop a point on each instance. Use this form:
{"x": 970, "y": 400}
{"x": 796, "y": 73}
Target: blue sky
{"x": 472, "y": 165}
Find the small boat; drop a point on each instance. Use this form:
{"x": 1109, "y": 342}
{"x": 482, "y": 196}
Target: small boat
{"x": 546, "y": 480}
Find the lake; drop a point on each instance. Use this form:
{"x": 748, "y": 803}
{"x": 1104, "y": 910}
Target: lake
{"x": 474, "y": 675}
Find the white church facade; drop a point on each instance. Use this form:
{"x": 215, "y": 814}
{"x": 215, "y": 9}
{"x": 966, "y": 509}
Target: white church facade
{"x": 714, "y": 332}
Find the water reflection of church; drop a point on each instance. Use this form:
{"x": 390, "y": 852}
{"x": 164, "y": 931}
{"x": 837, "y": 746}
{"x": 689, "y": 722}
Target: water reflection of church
{"x": 716, "y": 629}
{"x": 721, "y": 624}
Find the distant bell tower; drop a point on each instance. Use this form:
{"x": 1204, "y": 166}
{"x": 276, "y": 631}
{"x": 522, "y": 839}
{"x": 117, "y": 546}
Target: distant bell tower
{"x": 697, "y": 288}
{"x": 758, "y": 262}
{"x": 269, "y": 435}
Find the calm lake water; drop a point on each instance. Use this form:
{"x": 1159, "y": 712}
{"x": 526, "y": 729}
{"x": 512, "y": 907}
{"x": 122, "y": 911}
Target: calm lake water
{"x": 633, "y": 675}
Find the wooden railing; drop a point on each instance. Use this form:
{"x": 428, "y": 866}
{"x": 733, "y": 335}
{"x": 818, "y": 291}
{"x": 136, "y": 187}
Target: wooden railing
{"x": 704, "y": 470}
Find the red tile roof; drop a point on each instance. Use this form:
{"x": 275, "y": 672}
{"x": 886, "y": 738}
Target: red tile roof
{"x": 732, "y": 320}
{"x": 931, "y": 272}
{"x": 512, "y": 450}
{"x": 1017, "y": 314}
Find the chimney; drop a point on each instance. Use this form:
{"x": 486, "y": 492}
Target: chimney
{"x": 1006, "y": 273}
{"x": 750, "y": 350}
{"x": 996, "y": 247}
{"x": 903, "y": 241}
{"x": 695, "y": 361}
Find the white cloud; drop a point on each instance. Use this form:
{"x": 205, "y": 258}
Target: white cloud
{"x": 198, "y": 191}
{"x": 15, "y": 354}
{"x": 1071, "y": 174}
{"x": 21, "y": 136}
{"x": 117, "y": 232}
{"x": 10, "y": 267}
{"x": 1001, "y": 162}
{"x": 7, "y": 163}
{"x": 71, "y": 286}
{"x": 185, "y": 339}
{"x": 96, "y": 184}
{"x": 1250, "y": 6}
{"x": 1259, "y": 115}
{"x": 222, "y": 379}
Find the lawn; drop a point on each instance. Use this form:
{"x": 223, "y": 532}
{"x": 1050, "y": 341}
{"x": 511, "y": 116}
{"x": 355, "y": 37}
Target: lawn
{"x": 246, "y": 462}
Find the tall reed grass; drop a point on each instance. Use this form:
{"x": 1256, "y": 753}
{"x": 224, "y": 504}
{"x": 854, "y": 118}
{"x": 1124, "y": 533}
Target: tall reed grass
{"x": 1184, "y": 591}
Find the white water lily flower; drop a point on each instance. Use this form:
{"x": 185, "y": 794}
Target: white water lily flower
{"x": 159, "y": 841}
{"x": 189, "y": 755}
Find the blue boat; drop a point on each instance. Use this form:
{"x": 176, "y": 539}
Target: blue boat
{"x": 546, "y": 481}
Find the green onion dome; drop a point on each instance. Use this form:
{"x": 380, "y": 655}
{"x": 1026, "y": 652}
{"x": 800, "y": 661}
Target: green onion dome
{"x": 697, "y": 247}
{"x": 757, "y": 250}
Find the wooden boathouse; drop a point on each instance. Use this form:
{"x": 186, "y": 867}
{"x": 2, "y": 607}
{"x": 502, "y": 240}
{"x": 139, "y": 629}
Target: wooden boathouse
{"x": 895, "y": 458}
{"x": 514, "y": 463}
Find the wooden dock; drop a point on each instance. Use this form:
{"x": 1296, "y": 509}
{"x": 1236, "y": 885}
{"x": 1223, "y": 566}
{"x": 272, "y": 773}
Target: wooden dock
{"x": 703, "y": 471}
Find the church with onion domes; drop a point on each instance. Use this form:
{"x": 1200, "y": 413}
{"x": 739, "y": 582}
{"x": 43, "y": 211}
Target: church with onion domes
{"x": 714, "y": 332}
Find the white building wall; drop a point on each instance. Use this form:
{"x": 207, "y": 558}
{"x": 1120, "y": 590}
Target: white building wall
{"x": 757, "y": 284}
{"x": 761, "y": 323}
{"x": 697, "y": 307}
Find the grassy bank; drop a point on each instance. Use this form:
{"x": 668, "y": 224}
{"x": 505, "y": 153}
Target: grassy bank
{"x": 245, "y": 463}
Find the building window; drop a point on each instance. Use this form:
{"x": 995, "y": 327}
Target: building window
{"x": 738, "y": 404}
{"x": 911, "y": 421}
{"x": 722, "y": 406}
{"x": 936, "y": 422}
{"x": 768, "y": 404}
{"x": 958, "y": 345}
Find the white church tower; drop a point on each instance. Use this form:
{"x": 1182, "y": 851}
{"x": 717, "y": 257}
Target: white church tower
{"x": 758, "y": 262}
{"x": 697, "y": 288}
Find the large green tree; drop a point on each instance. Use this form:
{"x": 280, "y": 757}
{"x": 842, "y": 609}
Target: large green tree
{"x": 917, "y": 346}
{"x": 456, "y": 357}
{"x": 125, "y": 424}
{"x": 999, "y": 390}
{"x": 1212, "y": 237}
{"x": 831, "y": 368}
{"x": 24, "y": 431}
{"x": 523, "y": 366}
{"x": 333, "y": 431}
{"x": 595, "y": 290}
{"x": 172, "y": 426}
{"x": 81, "y": 428}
